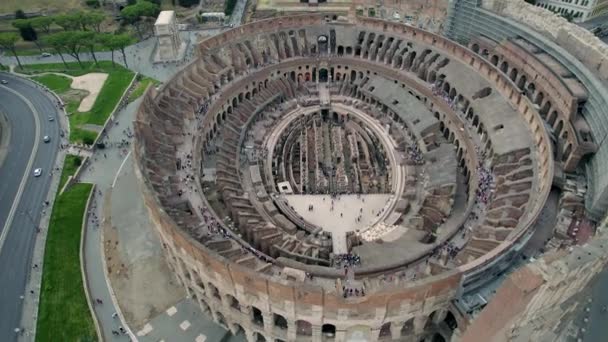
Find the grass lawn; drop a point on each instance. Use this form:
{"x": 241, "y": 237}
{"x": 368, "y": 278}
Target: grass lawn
{"x": 117, "y": 82}
{"x": 141, "y": 87}
{"x": 63, "y": 313}
{"x": 57, "y": 83}
{"x": 70, "y": 164}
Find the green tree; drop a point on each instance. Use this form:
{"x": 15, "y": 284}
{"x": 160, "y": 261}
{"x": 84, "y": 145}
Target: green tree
{"x": 42, "y": 23}
{"x": 68, "y": 21}
{"x": 72, "y": 42}
{"x": 57, "y": 43}
{"x": 8, "y": 41}
{"x": 95, "y": 19}
{"x": 135, "y": 14}
{"x": 90, "y": 40}
{"x": 26, "y": 31}
{"x": 121, "y": 41}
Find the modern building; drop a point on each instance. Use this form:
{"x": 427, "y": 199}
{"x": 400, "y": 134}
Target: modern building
{"x": 580, "y": 10}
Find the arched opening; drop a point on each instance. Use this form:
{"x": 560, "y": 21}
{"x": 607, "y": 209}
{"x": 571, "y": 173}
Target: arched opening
{"x": 475, "y": 48}
{"x": 494, "y": 60}
{"x": 205, "y": 307}
{"x": 504, "y": 67}
{"x": 221, "y": 319}
{"x": 280, "y": 321}
{"x": 560, "y": 126}
{"x": 385, "y": 330}
{"x": 340, "y": 50}
{"x": 214, "y": 291}
{"x": 323, "y": 75}
{"x": 552, "y": 118}
{"x": 328, "y": 330}
{"x": 438, "y": 338}
{"x": 450, "y": 320}
{"x": 349, "y": 50}
{"x": 531, "y": 90}
{"x": 293, "y": 75}
{"x": 539, "y": 98}
{"x": 323, "y": 45}
{"x": 233, "y": 302}
{"x": 408, "y": 327}
{"x": 303, "y": 328}
{"x": 522, "y": 82}
{"x": 259, "y": 337}
{"x": 257, "y": 317}
{"x": 475, "y": 121}
{"x": 237, "y": 329}
{"x": 513, "y": 74}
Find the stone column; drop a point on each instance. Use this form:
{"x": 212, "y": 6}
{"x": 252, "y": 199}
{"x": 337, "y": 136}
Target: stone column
{"x": 291, "y": 330}
{"x": 316, "y": 333}
{"x": 419, "y": 323}
{"x": 268, "y": 322}
{"x": 439, "y": 315}
{"x": 396, "y": 329}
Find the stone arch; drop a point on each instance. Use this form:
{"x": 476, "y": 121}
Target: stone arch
{"x": 475, "y": 120}
{"x": 522, "y": 82}
{"x": 475, "y": 48}
{"x": 328, "y": 330}
{"x": 513, "y": 74}
{"x": 303, "y": 328}
{"x": 240, "y": 97}
{"x": 233, "y": 302}
{"x": 531, "y": 90}
{"x": 205, "y": 307}
{"x": 349, "y": 50}
{"x": 248, "y": 95}
{"x": 494, "y": 60}
{"x": 437, "y": 337}
{"x": 234, "y": 102}
{"x": 256, "y": 316}
{"x": 214, "y": 291}
{"x": 323, "y": 75}
{"x": 559, "y": 127}
{"x": 279, "y": 321}
{"x": 504, "y": 67}
{"x": 385, "y": 330}
{"x": 221, "y": 320}
{"x": 450, "y": 320}
{"x": 237, "y": 329}
{"x": 552, "y": 118}
{"x": 293, "y": 75}
{"x": 340, "y": 50}
{"x": 258, "y": 337}
{"x": 485, "y": 53}
{"x": 408, "y": 327}
{"x": 539, "y": 98}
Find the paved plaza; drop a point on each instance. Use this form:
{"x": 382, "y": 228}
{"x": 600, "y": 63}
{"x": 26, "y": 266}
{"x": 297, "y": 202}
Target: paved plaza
{"x": 340, "y": 215}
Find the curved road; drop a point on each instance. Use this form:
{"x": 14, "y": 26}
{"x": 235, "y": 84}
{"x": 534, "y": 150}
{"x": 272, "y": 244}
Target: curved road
{"x": 21, "y": 194}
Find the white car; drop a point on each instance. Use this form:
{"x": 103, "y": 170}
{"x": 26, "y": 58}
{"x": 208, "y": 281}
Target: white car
{"x": 37, "y": 172}
{"x": 46, "y": 139}
{"x": 46, "y": 54}
{"x": 4, "y": 82}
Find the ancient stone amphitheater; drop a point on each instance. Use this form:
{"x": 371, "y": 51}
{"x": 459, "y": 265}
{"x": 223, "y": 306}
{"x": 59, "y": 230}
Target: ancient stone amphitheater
{"x": 436, "y": 156}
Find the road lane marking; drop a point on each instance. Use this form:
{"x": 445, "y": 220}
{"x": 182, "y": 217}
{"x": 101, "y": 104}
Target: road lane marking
{"x": 120, "y": 168}
{"x": 28, "y": 169}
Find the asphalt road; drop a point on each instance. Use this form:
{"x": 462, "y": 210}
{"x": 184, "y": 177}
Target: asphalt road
{"x": 17, "y": 239}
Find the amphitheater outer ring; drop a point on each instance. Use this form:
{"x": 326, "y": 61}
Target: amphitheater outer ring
{"x": 429, "y": 294}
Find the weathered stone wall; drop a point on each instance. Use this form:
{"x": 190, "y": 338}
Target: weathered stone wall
{"x": 578, "y": 41}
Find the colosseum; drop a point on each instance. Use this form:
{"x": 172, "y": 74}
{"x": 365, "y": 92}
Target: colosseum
{"x": 341, "y": 178}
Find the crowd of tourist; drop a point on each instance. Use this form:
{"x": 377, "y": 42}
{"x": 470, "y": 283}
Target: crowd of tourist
{"x": 486, "y": 184}
{"x": 414, "y": 154}
{"x": 346, "y": 260}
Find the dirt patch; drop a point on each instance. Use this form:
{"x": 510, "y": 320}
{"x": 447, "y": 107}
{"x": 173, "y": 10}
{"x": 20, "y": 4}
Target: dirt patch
{"x": 92, "y": 83}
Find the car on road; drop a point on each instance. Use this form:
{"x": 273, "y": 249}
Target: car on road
{"x": 37, "y": 172}
{"x": 46, "y": 139}
{"x": 45, "y": 54}
{"x": 51, "y": 118}
{"x": 4, "y": 82}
